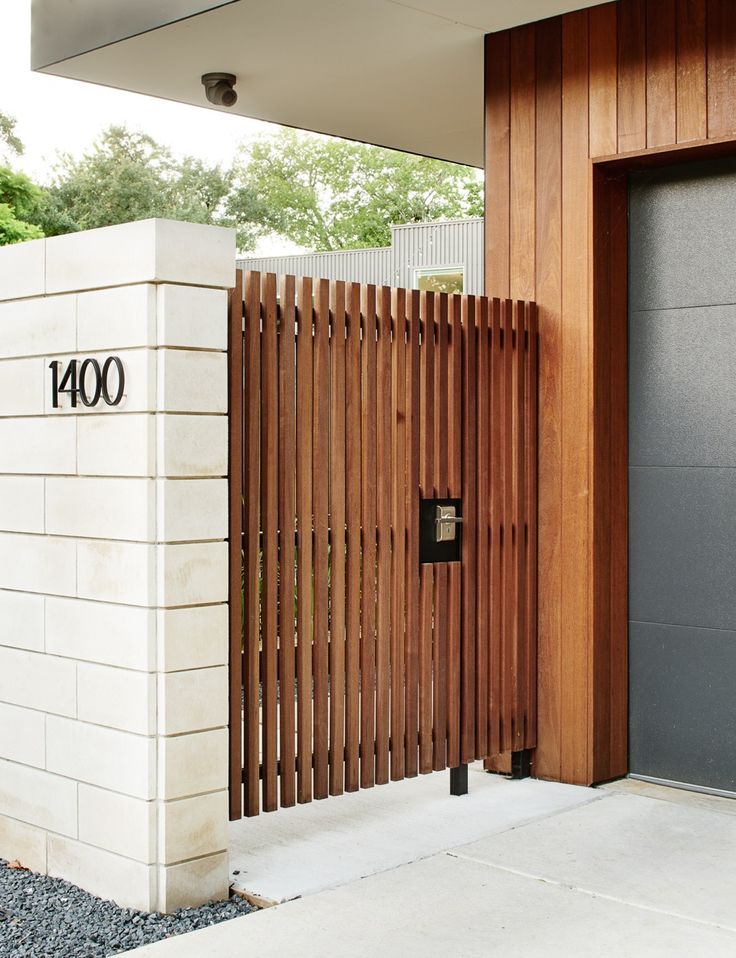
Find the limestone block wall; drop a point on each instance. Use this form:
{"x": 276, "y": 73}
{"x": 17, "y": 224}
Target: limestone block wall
{"x": 113, "y": 563}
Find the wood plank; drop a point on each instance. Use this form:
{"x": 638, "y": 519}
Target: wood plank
{"x": 509, "y": 676}
{"x": 632, "y": 93}
{"x": 721, "y": 20}
{"x": 549, "y": 297}
{"x": 235, "y": 537}
{"x": 320, "y": 452}
{"x": 619, "y": 506}
{"x": 603, "y": 70}
{"x": 661, "y": 66}
{"x": 692, "y": 95}
{"x": 270, "y": 525}
{"x": 496, "y": 658}
{"x": 426, "y": 585}
{"x": 531, "y": 572}
{"x": 440, "y": 649}
{"x": 383, "y": 515}
{"x": 521, "y": 650}
{"x": 287, "y": 524}
{"x": 337, "y": 539}
{"x": 305, "y": 384}
{"x": 398, "y": 523}
{"x": 368, "y": 507}
{"x": 455, "y": 491}
{"x": 576, "y": 422}
{"x": 601, "y": 585}
{"x": 412, "y": 539}
{"x": 252, "y": 563}
{"x": 498, "y": 164}
{"x": 483, "y": 531}
{"x": 522, "y": 185}
{"x": 469, "y": 551}
{"x": 353, "y": 481}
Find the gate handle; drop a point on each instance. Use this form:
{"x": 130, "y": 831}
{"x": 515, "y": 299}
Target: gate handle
{"x": 445, "y": 523}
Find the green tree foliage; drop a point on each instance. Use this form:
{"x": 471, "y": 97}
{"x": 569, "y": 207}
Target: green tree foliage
{"x": 324, "y": 194}
{"x": 129, "y": 176}
{"x": 329, "y": 194}
{"x": 18, "y": 195}
{"x": 10, "y": 142}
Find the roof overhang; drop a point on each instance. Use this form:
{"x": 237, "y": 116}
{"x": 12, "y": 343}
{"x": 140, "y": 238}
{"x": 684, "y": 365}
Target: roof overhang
{"x": 406, "y": 74}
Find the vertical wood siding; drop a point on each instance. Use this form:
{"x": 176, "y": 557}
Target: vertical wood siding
{"x": 619, "y": 78}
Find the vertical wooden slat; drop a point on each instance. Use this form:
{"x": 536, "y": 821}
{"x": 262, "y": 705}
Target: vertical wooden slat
{"x": 337, "y": 539}
{"x": 455, "y": 491}
{"x": 495, "y": 665}
{"x": 305, "y": 377}
{"x": 721, "y": 20}
{"x": 619, "y": 506}
{"x": 521, "y": 191}
{"x": 661, "y": 73}
{"x": 287, "y": 557}
{"x": 320, "y": 489}
{"x": 469, "y": 552}
{"x": 519, "y": 543}
{"x": 412, "y": 538}
{"x": 235, "y": 535}
{"x": 498, "y": 164}
{"x": 632, "y": 94}
{"x": 270, "y": 523}
{"x": 603, "y": 29}
{"x": 574, "y": 528}
{"x": 398, "y": 522}
{"x": 530, "y": 407}
{"x": 549, "y": 296}
{"x": 440, "y": 652}
{"x": 483, "y": 529}
{"x": 383, "y": 586}
{"x": 426, "y": 452}
{"x": 353, "y": 516}
{"x": 252, "y": 500}
{"x": 508, "y": 674}
{"x": 368, "y": 513}
{"x": 692, "y": 97}
{"x": 602, "y": 472}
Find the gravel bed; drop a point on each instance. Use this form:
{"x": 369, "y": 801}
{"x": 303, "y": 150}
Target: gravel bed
{"x": 42, "y": 917}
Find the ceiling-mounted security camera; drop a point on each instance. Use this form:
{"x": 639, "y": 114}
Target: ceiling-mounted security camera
{"x": 219, "y": 88}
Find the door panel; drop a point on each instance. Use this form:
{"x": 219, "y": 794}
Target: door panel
{"x": 681, "y": 678}
{"x": 682, "y": 474}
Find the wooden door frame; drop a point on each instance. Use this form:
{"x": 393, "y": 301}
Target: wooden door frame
{"x": 609, "y": 277}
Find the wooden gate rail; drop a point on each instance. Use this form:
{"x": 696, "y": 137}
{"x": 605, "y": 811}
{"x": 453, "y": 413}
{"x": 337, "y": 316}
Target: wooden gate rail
{"x": 351, "y": 662}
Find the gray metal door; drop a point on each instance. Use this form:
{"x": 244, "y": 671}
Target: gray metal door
{"x": 682, "y": 475}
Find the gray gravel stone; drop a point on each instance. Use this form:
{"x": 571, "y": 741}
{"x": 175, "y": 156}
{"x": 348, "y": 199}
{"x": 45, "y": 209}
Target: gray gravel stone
{"x": 42, "y": 917}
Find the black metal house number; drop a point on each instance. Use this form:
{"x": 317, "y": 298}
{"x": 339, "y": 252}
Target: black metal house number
{"x": 87, "y": 380}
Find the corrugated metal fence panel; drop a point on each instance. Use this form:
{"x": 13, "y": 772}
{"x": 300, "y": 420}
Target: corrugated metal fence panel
{"x": 433, "y": 245}
{"x": 414, "y": 246}
{"x": 353, "y": 265}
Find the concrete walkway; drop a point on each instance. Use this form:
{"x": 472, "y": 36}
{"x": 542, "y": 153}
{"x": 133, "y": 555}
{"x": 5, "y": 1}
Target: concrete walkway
{"x": 621, "y": 870}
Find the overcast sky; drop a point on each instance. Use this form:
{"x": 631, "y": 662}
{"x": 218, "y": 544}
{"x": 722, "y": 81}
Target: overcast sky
{"x": 58, "y": 114}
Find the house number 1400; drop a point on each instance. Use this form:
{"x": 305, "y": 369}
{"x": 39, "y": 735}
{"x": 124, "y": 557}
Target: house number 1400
{"x": 87, "y": 380}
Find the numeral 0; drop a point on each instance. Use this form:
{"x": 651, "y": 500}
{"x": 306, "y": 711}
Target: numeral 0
{"x": 75, "y": 381}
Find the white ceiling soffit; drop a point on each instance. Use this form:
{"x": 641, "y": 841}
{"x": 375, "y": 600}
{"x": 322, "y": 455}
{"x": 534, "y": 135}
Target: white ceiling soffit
{"x": 406, "y": 74}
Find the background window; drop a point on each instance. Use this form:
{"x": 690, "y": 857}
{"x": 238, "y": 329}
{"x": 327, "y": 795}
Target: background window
{"x": 442, "y": 279}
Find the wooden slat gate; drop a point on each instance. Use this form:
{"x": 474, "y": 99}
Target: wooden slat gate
{"x": 352, "y": 663}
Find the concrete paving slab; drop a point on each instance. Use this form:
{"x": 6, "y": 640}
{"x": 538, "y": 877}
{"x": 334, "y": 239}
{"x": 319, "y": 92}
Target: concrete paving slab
{"x": 308, "y": 848}
{"x": 453, "y": 908}
{"x": 680, "y": 796}
{"x": 677, "y": 859}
